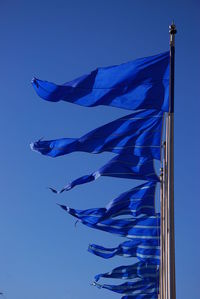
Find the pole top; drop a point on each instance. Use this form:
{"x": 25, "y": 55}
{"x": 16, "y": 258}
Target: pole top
{"x": 172, "y": 28}
{"x": 172, "y": 32}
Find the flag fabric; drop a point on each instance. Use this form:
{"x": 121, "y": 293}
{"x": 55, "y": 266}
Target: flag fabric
{"x": 121, "y": 166}
{"x": 140, "y": 286}
{"x": 138, "y": 84}
{"x": 141, "y": 296}
{"x": 138, "y": 201}
{"x": 146, "y": 250}
{"x": 143, "y": 228}
{"x": 141, "y": 85}
{"x": 138, "y": 133}
{"x": 139, "y": 270}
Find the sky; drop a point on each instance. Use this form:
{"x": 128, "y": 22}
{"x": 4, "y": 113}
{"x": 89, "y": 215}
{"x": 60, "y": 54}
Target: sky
{"x": 42, "y": 254}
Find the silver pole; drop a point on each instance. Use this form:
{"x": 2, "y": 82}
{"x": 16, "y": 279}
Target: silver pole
{"x": 170, "y": 168}
{"x": 162, "y": 236}
{"x": 166, "y": 230}
{"x": 164, "y": 223}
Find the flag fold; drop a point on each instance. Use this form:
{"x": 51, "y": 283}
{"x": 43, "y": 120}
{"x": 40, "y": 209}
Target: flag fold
{"x": 138, "y": 84}
{"x": 140, "y": 286}
{"x": 141, "y": 228}
{"x": 138, "y": 201}
{"x": 141, "y": 296}
{"x": 139, "y": 270}
{"x": 146, "y": 250}
{"x": 138, "y": 133}
{"x": 121, "y": 166}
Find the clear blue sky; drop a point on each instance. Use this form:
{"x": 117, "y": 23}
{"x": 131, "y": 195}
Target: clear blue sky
{"x": 42, "y": 254}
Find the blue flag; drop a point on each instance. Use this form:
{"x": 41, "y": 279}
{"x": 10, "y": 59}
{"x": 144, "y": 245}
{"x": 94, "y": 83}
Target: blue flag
{"x": 138, "y": 133}
{"x": 141, "y": 296}
{"x": 149, "y": 272}
{"x": 121, "y": 166}
{"x": 140, "y": 286}
{"x": 136, "y": 202}
{"x": 143, "y": 228}
{"x": 138, "y": 84}
{"x": 146, "y": 250}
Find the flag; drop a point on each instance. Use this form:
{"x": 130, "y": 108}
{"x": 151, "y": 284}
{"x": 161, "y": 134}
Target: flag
{"x": 141, "y": 296}
{"x": 144, "y": 227}
{"x": 149, "y": 272}
{"x": 121, "y": 166}
{"x": 146, "y": 250}
{"x": 136, "y": 202}
{"x": 138, "y": 84}
{"x": 138, "y": 133}
{"x": 140, "y": 286}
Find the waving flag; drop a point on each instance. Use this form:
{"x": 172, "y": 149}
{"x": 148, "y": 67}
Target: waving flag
{"x": 138, "y": 133}
{"x": 137, "y": 202}
{"x": 141, "y": 85}
{"x": 140, "y": 286}
{"x": 139, "y": 270}
{"x": 147, "y": 250}
{"x": 138, "y": 84}
{"x": 121, "y": 166}
{"x": 141, "y": 296}
{"x": 144, "y": 227}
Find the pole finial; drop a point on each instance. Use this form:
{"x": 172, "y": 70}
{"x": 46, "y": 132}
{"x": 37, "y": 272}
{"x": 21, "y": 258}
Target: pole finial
{"x": 172, "y": 32}
{"x": 172, "y": 28}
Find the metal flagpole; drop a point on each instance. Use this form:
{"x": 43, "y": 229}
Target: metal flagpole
{"x": 163, "y": 223}
{"x": 165, "y": 184}
{"x": 161, "y": 236}
{"x": 167, "y": 274}
{"x": 170, "y": 170}
{"x": 162, "y": 217}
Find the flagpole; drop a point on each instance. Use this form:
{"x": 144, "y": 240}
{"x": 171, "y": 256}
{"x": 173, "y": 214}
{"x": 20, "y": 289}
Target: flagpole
{"x": 162, "y": 217}
{"x": 163, "y": 252}
{"x": 166, "y": 230}
{"x": 162, "y": 288}
{"x": 170, "y": 169}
